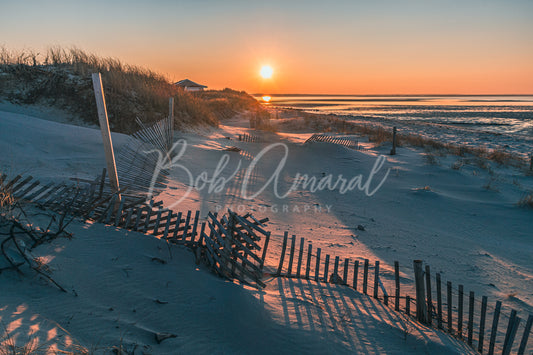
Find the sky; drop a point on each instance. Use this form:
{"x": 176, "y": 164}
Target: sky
{"x": 318, "y": 47}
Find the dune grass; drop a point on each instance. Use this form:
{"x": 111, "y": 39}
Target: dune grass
{"x": 6, "y": 201}
{"x": 62, "y": 78}
{"x": 526, "y": 201}
{"x": 379, "y": 135}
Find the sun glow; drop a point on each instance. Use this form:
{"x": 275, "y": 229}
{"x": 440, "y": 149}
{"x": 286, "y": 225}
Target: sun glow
{"x": 266, "y": 71}
{"x": 266, "y": 98}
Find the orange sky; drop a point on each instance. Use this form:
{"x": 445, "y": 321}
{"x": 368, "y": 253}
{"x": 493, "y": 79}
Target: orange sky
{"x": 338, "y": 47}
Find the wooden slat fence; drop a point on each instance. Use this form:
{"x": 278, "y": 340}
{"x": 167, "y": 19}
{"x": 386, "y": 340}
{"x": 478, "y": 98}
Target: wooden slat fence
{"x": 485, "y": 327}
{"x": 248, "y": 138}
{"x": 160, "y": 135}
{"x": 137, "y": 159}
{"x": 344, "y": 141}
{"x": 235, "y": 247}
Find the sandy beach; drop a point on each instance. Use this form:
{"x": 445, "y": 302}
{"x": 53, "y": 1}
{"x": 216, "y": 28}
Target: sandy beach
{"x": 266, "y": 177}
{"x": 472, "y": 234}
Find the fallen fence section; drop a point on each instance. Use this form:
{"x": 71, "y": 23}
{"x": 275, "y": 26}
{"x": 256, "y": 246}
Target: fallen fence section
{"x": 344, "y": 141}
{"x": 249, "y": 138}
{"x": 234, "y": 246}
{"x": 83, "y": 198}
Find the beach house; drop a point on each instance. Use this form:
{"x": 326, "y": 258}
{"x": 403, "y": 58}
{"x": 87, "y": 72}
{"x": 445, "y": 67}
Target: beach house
{"x": 189, "y": 85}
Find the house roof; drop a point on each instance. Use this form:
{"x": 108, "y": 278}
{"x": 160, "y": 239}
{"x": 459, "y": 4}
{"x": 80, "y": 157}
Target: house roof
{"x": 189, "y": 83}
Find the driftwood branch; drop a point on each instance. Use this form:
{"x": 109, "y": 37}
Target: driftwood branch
{"x": 19, "y": 232}
{"x": 36, "y": 269}
{"x": 14, "y": 265}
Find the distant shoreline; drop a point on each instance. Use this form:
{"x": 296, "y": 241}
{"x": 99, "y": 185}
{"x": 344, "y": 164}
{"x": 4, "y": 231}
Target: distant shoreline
{"x": 393, "y": 95}
{"x": 453, "y": 134}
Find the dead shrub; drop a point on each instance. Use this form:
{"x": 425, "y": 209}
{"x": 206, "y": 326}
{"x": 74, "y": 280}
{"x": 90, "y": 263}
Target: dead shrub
{"x": 526, "y": 201}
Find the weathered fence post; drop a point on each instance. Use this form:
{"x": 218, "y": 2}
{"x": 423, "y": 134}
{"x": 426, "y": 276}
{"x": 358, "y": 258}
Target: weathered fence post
{"x": 118, "y": 217}
{"x": 527, "y": 330}
{"x": 170, "y": 126}
{"x": 494, "y": 329}
{"x": 291, "y": 255}
{"x": 355, "y": 273}
{"x": 177, "y": 226}
{"x": 300, "y": 257}
{"x": 449, "y": 300}
{"x": 408, "y": 305}
{"x": 186, "y": 227}
{"x": 308, "y": 264}
{"x": 439, "y": 301}
{"x": 470, "y": 318}
{"x": 147, "y": 219}
{"x": 195, "y": 226}
{"x": 335, "y": 270}
{"x": 283, "y": 248}
{"x": 171, "y": 108}
{"x": 365, "y": 276}
{"x": 157, "y": 221}
{"x": 376, "y": 279}
{"x": 428, "y": 294}
{"x": 317, "y": 268}
{"x": 393, "y": 150}
{"x": 138, "y": 218}
{"x": 421, "y": 309}
{"x": 106, "y": 134}
{"x": 265, "y": 248}
{"x": 460, "y": 313}
{"x": 345, "y": 275}
{"x": 397, "y": 284}
{"x": 167, "y": 225}
{"x": 326, "y": 268}
{"x": 482, "y": 324}
{"x": 512, "y": 327}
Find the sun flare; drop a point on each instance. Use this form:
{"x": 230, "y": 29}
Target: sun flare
{"x": 266, "y": 71}
{"x": 266, "y": 98}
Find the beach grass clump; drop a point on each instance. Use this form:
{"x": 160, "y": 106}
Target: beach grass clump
{"x": 261, "y": 120}
{"x": 499, "y": 156}
{"x": 430, "y": 157}
{"x": 6, "y": 200}
{"x": 61, "y": 78}
{"x": 380, "y": 136}
{"x": 491, "y": 184}
{"x": 526, "y": 201}
{"x": 227, "y": 103}
{"x": 458, "y": 164}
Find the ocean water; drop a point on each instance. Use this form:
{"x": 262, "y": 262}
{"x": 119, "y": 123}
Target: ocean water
{"x": 494, "y": 121}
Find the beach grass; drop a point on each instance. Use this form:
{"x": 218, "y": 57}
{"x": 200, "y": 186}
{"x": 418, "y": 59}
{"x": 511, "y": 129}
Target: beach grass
{"x": 380, "y": 136}
{"x": 526, "y": 201}
{"x": 61, "y": 78}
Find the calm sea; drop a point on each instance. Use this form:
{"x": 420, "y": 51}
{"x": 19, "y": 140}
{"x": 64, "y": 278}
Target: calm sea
{"x": 502, "y": 121}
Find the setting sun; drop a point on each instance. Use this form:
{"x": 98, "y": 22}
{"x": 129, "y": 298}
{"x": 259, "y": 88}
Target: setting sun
{"x": 266, "y": 71}
{"x": 266, "y": 98}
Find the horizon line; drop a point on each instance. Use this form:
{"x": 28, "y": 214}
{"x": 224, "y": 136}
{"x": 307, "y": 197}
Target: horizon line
{"x": 390, "y": 95}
